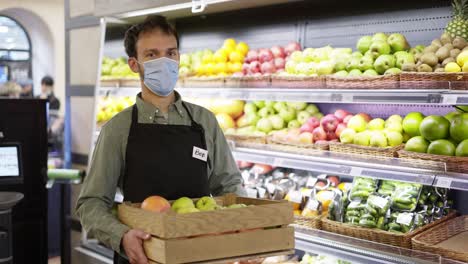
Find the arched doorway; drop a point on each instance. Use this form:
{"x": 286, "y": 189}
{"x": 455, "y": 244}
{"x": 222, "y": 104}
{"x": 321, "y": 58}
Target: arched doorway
{"x": 15, "y": 51}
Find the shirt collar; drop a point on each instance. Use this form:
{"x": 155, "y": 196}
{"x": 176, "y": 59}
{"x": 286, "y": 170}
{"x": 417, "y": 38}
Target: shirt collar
{"x": 148, "y": 109}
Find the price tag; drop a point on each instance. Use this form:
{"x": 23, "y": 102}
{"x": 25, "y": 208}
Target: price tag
{"x": 379, "y": 201}
{"x": 444, "y": 182}
{"x": 295, "y": 196}
{"x": 261, "y": 192}
{"x": 271, "y": 187}
{"x": 251, "y": 193}
{"x": 246, "y": 176}
{"x": 278, "y": 162}
{"x": 311, "y": 182}
{"x": 404, "y": 218}
{"x": 312, "y": 205}
{"x": 355, "y": 171}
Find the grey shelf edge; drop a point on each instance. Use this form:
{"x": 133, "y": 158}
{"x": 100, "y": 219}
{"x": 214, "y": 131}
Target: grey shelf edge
{"x": 443, "y": 97}
{"x": 360, "y": 251}
{"x": 341, "y": 164}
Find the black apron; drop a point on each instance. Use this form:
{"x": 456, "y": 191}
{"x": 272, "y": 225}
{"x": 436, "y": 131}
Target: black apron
{"x": 160, "y": 161}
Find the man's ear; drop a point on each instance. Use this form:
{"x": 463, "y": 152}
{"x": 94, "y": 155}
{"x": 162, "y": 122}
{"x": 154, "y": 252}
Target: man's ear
{"x": 133, "y": 64}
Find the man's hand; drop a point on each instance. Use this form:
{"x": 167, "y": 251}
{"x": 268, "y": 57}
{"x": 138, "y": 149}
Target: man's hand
{"x": 132, "y": 243}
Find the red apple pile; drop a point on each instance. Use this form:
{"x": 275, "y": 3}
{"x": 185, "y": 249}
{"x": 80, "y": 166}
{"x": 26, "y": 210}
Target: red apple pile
{"x": 264, "y": 61}
{"x": 328, "y": 128}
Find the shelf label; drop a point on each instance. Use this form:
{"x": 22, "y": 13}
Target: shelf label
{"x": 278, "y": 162}
{"x": 355, "y": 171}
{"x": 444, "y": 182}
{"x": 251, "y": 193}
{"x": 404, "y": 218}
{"x": 261, "y": 192}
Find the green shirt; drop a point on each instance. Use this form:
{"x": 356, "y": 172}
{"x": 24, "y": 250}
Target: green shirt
{"x": 108, "y": 165}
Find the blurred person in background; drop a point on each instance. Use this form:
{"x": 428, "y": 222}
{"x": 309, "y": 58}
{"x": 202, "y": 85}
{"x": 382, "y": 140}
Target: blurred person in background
{"x": 10, "y": 90}
{"x": 27, "y": 89}
{"x": 47, "y": 92}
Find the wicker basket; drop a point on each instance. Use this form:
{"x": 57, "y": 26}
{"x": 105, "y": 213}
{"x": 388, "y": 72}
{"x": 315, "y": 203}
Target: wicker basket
{"x": 108, "y": 82}
{"x": 315, "y": 82}
{"x": 320, "y": 146}
{"x": 361, "y": 82}
{"x": 247, "y": 141}
{"x": 377, "y": 235}
{"x": 255, "y": 81}
{"x": 454, "y": 164}
{"x": 434, "y": 80}
{"x": 204, "y": 82}
{"x": 389, "y": 152}
{"x": 307, "y": 222}
{"x": 234, "y": 82}
{"x": 429, "y": 240}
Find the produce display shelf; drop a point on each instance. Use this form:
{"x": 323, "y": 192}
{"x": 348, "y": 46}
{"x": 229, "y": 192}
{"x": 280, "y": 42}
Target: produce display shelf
{"x": 358, "y": 250}
{"x": 442, "y": 97}
{"x": 350, "y": 165}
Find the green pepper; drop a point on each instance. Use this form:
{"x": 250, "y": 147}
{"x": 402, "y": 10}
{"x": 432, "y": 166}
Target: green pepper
{"x": 364, "y": 188}
{"x": 402, "y": 200}
{"x": 433, "y": 198}
{"x": 372, "y": 211}
{"x": 405, "y": 228}
{"x": 393, "y": 225}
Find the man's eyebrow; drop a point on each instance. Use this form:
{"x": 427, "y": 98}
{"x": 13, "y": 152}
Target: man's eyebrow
{"x": 152, "y": 50}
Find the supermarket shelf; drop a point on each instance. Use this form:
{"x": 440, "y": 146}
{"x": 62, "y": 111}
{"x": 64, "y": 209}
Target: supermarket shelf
{"x": 444, "y": 97}
{"x": 358, "y": 250}
{"x": 351, "y": 165}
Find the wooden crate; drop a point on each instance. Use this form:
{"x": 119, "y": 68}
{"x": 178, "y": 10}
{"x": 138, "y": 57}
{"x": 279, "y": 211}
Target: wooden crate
{"x": 265, "y": 213}
{"x": 217, "y": 247}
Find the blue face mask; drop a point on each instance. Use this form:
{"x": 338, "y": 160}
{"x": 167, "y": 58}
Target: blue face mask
{"x": 161, "y": 75}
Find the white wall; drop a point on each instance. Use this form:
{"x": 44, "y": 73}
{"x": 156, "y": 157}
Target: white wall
{"x": 45, "y": 23}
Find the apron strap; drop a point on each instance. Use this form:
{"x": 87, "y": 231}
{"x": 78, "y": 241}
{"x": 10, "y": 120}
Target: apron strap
{"x": 134, "y": 117}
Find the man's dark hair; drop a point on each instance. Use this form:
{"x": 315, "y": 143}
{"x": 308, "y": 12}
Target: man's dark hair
{"x": 47, "y": 80}
{"x": 154, "y": 22}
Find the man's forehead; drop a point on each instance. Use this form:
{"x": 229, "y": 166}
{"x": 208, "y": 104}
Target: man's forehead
{"x": 156, "y": 39}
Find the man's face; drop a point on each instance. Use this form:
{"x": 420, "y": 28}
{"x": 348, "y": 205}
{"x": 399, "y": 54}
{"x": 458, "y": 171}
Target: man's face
{"x": 153, "y": 45}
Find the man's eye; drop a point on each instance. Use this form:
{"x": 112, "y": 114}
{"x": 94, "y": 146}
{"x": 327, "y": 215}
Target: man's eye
{"x": 150, "y": 55}
{"x": 173, "y": 53}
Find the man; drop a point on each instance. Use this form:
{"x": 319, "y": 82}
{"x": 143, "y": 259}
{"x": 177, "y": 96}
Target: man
{"x": 153, "y": 147}
{"x": 47, "y": 92}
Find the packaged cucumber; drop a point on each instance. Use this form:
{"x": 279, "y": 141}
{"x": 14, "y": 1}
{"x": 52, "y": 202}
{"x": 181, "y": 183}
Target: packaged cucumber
{"x": 405, "y": 197}
{"x": 387, "y": 187}
{"x": 336, "y": 210}
{"x": 354, "y": 211}
{"x": 362, "y": 188}
{"x": 377, "y": 206}
{"x": 401, "y": 222}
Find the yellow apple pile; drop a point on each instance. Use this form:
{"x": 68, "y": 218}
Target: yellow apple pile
{"x": 225, "y": 61}
{"x": 108, "y": 107}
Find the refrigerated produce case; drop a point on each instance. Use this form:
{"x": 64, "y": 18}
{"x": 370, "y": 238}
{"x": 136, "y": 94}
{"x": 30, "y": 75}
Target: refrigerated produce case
{"x": 312, "y": 25}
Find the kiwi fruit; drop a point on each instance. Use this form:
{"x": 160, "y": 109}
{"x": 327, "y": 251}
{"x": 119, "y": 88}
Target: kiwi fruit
{"x": 424, "y": 68}
{"x": 459, "y": 43}
{"x": 409, "y": 67}
{"x": 454, "y": 53}
{"x": 439, "y": 70}
{"x": 447, "y": 60}
{"x": 442, "y": 53}
{"x": 430, "y": 48}
{"x": 446, "y": 38}
{"x": 430, "y": 59}
{"x": 449, "y": 46}
{"x": 437, "y": 43}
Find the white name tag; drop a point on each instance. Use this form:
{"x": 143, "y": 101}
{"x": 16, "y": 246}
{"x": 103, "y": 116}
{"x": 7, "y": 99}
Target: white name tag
{"x": 200, "y": 154}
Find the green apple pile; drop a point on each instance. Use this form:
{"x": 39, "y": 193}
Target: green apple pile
{"x": 315, "y": 62}
{"x": 109, "y": 106}
{"x": 189, "y": 62}
{"x": 116, "y": 68}
{"x": 441, "y": 56}
{"x": 265, "y": 117}
{"x": 186, "y": 205}
{"x": 377, "y": 55}
{"x": 440, "y": 135}
{"x": 364, "y": 131}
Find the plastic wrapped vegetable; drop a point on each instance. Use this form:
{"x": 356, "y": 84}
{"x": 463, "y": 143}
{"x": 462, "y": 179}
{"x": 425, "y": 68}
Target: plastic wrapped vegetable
{"x": 387, "y": 187}
{"x": 362, "y": 188}
{"x": 401, "y": 222}
{"x": 405, "y": 197}
{"x": 337, "y": 207}
{"x": 354, "y": 211}
{"x": 375, "y": 211}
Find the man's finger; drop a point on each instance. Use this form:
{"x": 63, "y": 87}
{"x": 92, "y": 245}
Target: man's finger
{"x": 142, "y": 235}
{"x": 140, "y": 256}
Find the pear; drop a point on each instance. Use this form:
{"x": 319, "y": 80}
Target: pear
{"x": 409, "y": 67}
{"x": 446, "y": 38}
{"x": 447, "y": 60}
{"x": 443, "y": 53}
{"x": 437, "y": 43}
{"x": 454, "y": 53}
{"x": 424, "y": 68}
{"x": 430, "y": 59}
{"x": 430, "y": 48}
{"x": 439, "y": 70}
{"x": 459, "y": 43}
{"x": 449, "y": 46}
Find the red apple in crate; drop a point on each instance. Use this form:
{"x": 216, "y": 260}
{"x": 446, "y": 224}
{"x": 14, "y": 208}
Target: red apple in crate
{"x": 319, "y": 134}
{"x": 347, "y": 118}
{"x": 156, "y": 204}
{"x": 340, "y": 128}
{"x": 257, "y": 74}
{"x": 306, "y": 138}
{"x": 291, "y": 47}
{"x": 329, "y": 123}
{"x": 314, "y": 122}
{"x": 331, "y": 135}
{"x": 267, "y": 68}
{"x": 341, "y": 114}
{"x": 278, "y": 52}
{"x": 245, "y": 68}
{"x": 367, "y": 117}
{"x": 279, "y": 63}
{"x": 265, "y": 55}
{"x": 254, "y": 67}
{"x": 252, "y": 55}
{"x": 307, "y": 127}
{"x": 238, "y": 74}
